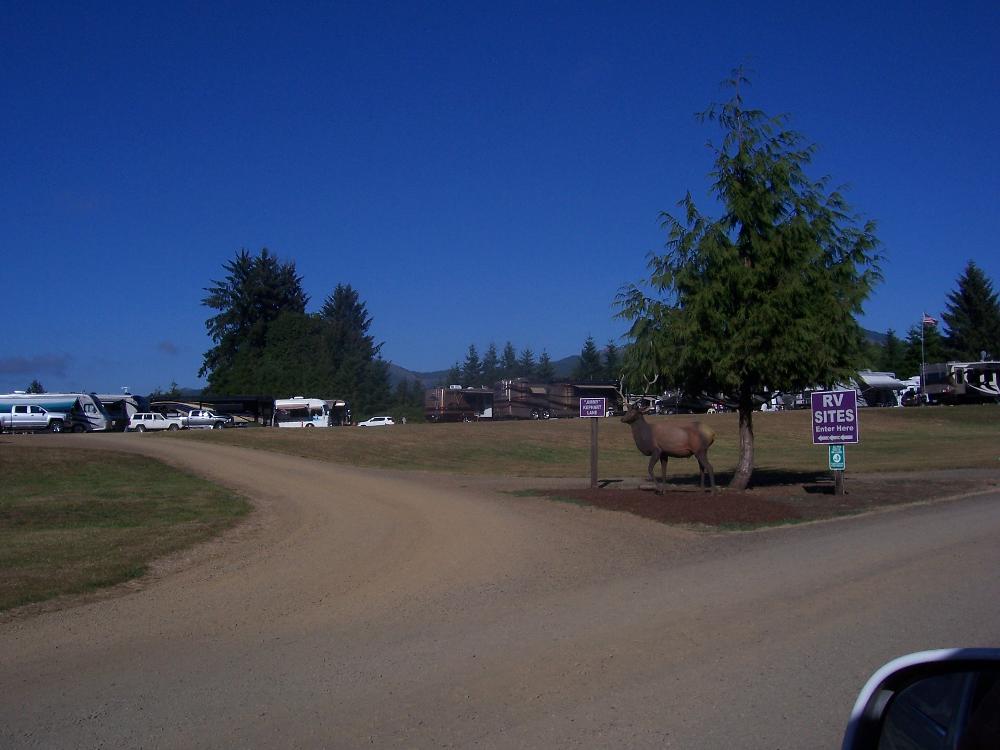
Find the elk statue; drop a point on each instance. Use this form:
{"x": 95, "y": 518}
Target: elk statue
{"x": 662, "y": 441}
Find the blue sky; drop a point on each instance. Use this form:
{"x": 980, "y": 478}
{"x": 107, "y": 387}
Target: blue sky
{"x": 479, "y": 172}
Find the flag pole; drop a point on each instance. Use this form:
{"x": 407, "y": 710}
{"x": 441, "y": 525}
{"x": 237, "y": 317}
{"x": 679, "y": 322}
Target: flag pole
{"x": 922, "y": 391}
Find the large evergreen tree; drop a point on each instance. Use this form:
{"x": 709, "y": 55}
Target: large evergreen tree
{"x": 545, "y": 371}
{"x": 357, "y": 372}
{"x": 612, "y": 362}
{"x": 472, "y": 369}
{"x": 763, "y": 297}
{"x": 589, "y": 367}
{"x": 491, "y": 366}
{"x": 891, "y": 356}
{"x": 35, "y": 387}
{"x": 257, "y": 289}
{"x": 526, "y": 363}
{"x": 508, "y": 361}
{"x": 972, "y": 317}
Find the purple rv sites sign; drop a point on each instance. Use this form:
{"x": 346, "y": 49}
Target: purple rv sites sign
{"x": 835, "y": 417}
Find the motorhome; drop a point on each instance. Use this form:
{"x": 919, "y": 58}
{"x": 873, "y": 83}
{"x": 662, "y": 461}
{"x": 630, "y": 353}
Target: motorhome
{"x": 962, "y": 382}
{"x": 84, "y": 411}
{"x": 299, "y": 411}
{"x": 458, "y": 404}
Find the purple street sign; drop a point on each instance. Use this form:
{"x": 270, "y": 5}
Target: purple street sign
{"x": 592, "y": 407}
{"x": 835, "y": 417}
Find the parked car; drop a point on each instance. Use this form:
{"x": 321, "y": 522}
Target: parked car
{"x": 150, "y": 420}
{"x": 206, "y": 419}
{"x": 377, "y": 422}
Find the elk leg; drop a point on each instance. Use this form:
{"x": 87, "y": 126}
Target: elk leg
{"x": 704, "y": 463}
{"x": 652, "y": 462}
{"x": 663, "y": 471}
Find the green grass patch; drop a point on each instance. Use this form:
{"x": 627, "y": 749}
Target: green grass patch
{"x": 73, "y": 520}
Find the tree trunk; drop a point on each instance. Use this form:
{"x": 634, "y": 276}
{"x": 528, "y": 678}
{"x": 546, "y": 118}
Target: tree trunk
{"x": 744, "y": 467}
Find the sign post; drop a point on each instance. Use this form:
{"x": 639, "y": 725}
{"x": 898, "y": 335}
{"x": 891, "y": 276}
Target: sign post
{"x": 593, "y": 408}
{"x": 834, "y": 424}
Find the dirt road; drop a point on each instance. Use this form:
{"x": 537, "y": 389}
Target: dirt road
{"x": 358, "y": 608}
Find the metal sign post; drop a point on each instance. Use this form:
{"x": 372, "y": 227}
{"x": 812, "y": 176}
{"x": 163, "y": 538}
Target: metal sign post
{"x": 593, "y": 408}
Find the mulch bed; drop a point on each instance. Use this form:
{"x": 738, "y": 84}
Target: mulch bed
{"x": 774, "y": 501}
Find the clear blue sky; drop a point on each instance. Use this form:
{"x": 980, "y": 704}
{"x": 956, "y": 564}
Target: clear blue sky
{"x": 478, "y": 171}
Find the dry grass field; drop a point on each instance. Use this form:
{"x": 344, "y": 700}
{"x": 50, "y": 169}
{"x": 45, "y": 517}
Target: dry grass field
{"x": 891, "y": 440}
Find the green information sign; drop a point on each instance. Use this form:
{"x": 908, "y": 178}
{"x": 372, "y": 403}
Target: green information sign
{"x": 838, "y": 457}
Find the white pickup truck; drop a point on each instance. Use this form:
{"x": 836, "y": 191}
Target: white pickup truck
{"x": 150, "y": 420}
{"x": 205, "y": 419}
{"x": 25, "y": 417}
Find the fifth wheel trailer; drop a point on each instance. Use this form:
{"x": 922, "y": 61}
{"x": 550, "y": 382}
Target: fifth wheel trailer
{"x": 525, "y": 399}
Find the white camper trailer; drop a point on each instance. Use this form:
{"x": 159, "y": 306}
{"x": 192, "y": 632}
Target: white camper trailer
{"x": 301, "y": 412}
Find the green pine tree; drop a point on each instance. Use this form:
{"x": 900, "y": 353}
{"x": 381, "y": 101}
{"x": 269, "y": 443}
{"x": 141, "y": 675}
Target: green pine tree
{"x": 472, "y": 369}
{"x": 589, "y": 368}
{"x": 545, "y": 372}
{"x": 257, "y": 290}
{"x": 490, "y": 366}
{"x": 891, "y": 356}
{"x": 508, "y": 362}
{"x": 766, "y": 295}
{"x": 612, "y": 362}
{"x": 973, "y": 317}
{"x": 526, "y": 364}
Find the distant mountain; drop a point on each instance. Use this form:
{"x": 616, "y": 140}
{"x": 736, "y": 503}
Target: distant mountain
{"x": 874, "y": 336}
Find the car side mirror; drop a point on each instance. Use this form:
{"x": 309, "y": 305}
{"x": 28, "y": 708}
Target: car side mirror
{"x": 948, "y": 699}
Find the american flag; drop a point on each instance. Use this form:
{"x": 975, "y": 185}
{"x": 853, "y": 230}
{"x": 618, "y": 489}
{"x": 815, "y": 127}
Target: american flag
{"x": 929, "y": 321}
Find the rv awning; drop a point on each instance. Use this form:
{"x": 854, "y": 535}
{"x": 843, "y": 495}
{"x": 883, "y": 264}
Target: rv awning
{"x": 881, "y": 380}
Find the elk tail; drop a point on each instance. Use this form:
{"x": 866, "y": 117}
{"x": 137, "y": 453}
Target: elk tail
{"x": 707, "y": 433}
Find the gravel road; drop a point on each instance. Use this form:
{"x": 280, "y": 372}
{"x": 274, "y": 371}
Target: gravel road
{"x": 365, "y": 608}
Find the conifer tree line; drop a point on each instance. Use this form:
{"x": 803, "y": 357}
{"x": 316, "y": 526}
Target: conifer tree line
{"x": 969, "y": 330}
{"x": 494, "y": 365}
{"x": 266, "y": 341}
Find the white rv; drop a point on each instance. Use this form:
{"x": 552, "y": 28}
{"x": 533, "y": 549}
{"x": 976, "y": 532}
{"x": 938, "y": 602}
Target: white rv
{"x": 84, "y": 411}
{"x": 301, "y": 412}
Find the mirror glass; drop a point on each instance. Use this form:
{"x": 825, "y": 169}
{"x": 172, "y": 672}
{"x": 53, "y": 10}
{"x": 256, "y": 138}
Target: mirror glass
{"x": 954, "y": 711}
